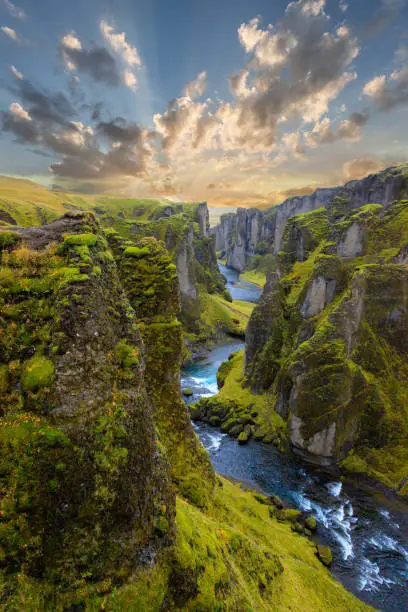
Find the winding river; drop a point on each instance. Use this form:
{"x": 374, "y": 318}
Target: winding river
{"x": 368, "y": 536}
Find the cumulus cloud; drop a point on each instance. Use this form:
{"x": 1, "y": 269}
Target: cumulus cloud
{"x": 97, "y": 62}
{"x": 196, "y": 87}
{"x": 105, "y": 151}
{"x": 348, "y": 129}
{"x": 388, "y": 93}
{"x": 296, "y": 68}
{"x": 18, "y": 111}
{"x": 129, "y": 79}
{"x": 118, "y": 42}
{"x": 343, "y": 6}
{"x": 11, "y": 33}
{"x": 359, "y": 168}
{"x": 128, "y": 53}
{"x": 14, "y": 10}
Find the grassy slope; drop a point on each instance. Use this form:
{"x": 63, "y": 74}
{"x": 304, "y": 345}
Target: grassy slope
{"x": 268, "y": 422}
{"x": 232, "y": 549}
{"x": 257, "y": 277}
{"x": 229, "y": 317}
{"x": 32, "y": 204}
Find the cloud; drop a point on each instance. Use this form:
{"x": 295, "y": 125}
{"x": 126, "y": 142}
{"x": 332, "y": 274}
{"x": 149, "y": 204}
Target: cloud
{"x": 11, "y": 33}
{"x": 129, "y": 80}
{"x": 14, "y": 10}
{"x": 128, "y": 53}
{"x": 18, "y": 111}
{"x": 16, "y": 73}
{"x": 389, "y": 93}
{"x": 343, "y": 6}
{"x": 97, "y": 62}
{"x": 384, "y": 16}
{"x": 119, "y": 44}
{"x": 295, "y": 69}
{"x": 298, "y": 191}
{"x": 196, "y": 87}
{"x": 356, "y": 169}
{"x": 374, "y": 87}
{"x": 348, "y": 129}
{"x": 48, "y": 108}
{"x": 109, "y": 152}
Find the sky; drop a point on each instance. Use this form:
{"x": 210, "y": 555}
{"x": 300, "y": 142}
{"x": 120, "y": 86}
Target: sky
{"x": 236, "y": 102}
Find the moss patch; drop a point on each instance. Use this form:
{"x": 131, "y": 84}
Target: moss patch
{"x": 38, "y": 372}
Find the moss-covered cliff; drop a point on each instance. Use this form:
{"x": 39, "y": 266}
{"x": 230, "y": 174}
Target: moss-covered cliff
{"x": 85, "y": 485}
{"x": 328, "y": 340}
{"x": 151, "y": 283}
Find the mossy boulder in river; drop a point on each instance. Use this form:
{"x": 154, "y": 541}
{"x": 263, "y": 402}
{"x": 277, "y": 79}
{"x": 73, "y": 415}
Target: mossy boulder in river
{"x": 325, "y": 555}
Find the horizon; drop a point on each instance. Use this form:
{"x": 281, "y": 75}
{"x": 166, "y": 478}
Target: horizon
{"x": 285, "y": 98}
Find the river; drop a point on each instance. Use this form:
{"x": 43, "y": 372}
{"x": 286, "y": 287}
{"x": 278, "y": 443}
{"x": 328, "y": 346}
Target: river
{"x": 369, "y": 538}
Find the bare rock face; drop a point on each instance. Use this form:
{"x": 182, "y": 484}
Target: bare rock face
{"x": 352, "y": 243}
{"x": 319, "y": 448}
{"x": 320, "y": 293}
{"x": 185, "y": 271}
{"x": 203, "y": 218}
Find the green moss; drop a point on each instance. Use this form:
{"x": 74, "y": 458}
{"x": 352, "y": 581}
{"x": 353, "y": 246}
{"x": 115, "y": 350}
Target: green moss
{"x": 126, "y": 354}
{"x": 325, "y": 554}
{"x": 193, "y": 489}
{"x": 223, "y": 371}
{"x": 137, "y": 252}
{"x": 310, "y": 523}
{"x": 88, "y": 240}
{"x": 38, "y": 372}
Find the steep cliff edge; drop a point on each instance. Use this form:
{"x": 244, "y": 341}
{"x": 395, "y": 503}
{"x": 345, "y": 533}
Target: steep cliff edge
{"x": 328, "y": 338}
{"x": 85, "y": 487}
{"x": 241, "y": 235}
{"x": 151, "y": 283}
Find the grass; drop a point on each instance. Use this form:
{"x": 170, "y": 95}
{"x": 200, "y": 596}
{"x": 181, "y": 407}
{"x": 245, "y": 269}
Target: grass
{"x": 227, "y": 317}
{"x": 234, "y": 556}
{"x": 256, "y": 277}
{"x": 233, "y": 389}
{"x": 31, "y": 204}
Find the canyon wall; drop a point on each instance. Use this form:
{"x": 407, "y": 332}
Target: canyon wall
{"x": 242, "y": 234}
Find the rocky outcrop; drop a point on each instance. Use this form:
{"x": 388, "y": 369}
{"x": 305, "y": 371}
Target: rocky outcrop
{"x": 249, "y": 231}
{"x": 87, "y": 481}
{"x": 239, "y": 234}
{"x": 184, "y": 229}
{"x": 327, "y": 339}
{"x": 151, "y": 283}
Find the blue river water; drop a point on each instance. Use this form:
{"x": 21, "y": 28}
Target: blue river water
{"x": 368, "y": 535}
